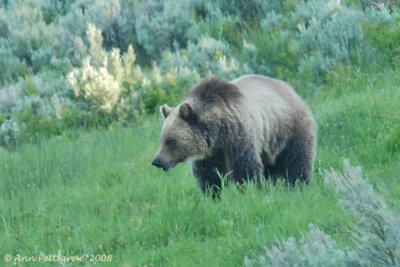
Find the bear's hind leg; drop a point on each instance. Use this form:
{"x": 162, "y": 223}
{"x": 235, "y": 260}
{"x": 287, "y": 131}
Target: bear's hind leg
{"x": 294, "y": 164}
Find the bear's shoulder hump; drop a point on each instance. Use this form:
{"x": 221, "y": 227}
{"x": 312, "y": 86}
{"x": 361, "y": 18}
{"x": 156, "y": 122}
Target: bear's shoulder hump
{"x": 214, "y": 89}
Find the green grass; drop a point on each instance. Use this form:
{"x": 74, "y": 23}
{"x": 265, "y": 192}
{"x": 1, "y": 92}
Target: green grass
{"x": 96, "y": 192}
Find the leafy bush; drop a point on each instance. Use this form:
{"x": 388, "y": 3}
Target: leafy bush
{"x": 384, "y": 37}
{"x": 207, "y": 57}
{"x": 9, "y": 134}
{"x": 163, "y": 26}
{"x": 147, "y": 52}
{"x": 376, "y": 235}
{"x": 9, "y": 95}
{"x": 104, "y": 77}
{"x": 329, "y": 33}
{"x": 377, "y": 232}
{"x": 315, "y": 248}
{"x": 111, "y": 84}
{"x": 317, "y": 35}
{"x": 26, "y": 40}
{"x": 251, "y": 10}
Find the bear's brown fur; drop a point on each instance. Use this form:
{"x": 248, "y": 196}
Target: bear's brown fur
{"x": 251, "y": 127}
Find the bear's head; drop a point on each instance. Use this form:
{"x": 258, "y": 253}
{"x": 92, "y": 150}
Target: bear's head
{"x": 183, "y": 136}
{"x": 199, "y": 124}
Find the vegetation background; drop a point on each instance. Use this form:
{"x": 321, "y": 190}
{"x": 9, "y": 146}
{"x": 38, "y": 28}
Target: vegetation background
{"x": 80, "y": 83}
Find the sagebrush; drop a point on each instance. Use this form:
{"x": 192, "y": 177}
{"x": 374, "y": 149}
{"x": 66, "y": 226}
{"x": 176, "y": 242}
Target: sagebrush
{"x": 375, "y": 235}
{"x": 70, "y": 64}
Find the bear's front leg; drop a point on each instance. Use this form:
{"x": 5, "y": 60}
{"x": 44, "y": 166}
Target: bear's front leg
{"x": 245, "y": 163}
{"x": 205, "y": 171}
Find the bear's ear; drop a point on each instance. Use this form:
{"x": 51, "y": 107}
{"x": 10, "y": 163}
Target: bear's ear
{"x": 186, "y": 112}
{"x": 165, "y": 110}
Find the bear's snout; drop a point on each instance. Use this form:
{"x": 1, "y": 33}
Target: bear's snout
{"x": 156, "y": 162}
{"x": 162, "y": 164}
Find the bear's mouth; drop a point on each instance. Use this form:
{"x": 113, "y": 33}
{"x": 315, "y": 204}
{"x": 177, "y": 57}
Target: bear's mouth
{"x": 165, "y": 165}
{"x": 168, "y": 166}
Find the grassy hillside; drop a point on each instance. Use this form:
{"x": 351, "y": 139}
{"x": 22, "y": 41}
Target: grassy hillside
{"x": 96, "y": 195}
{"x": 80, "y": 81}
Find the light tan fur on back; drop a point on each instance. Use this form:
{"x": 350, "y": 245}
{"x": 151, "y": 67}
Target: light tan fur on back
{"x": 272, "y": 106}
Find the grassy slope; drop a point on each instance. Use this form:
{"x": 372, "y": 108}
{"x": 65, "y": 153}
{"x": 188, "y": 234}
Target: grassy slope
{"x": 97, "y": 193}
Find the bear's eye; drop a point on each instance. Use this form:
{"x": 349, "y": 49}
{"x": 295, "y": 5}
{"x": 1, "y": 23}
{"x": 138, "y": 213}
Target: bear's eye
{"x": 170, "y": 142}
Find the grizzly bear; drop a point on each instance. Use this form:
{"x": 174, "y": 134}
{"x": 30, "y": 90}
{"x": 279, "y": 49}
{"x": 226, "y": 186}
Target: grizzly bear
{"x": 248, "y": 128}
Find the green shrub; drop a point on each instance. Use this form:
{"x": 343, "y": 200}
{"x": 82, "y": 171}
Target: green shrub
{"x": 225, "y": 29}
{"x": 276, "y": 52}
{"x": 104, "y": 76}
{"x": 11, "y": 67}
{"x": 376, "y": 235}
{"x": 9, "y": 134}
{"x": 164, "y": 26}
{"x": 204, "y": 58}
{"x": 385, "y": 38}
{"x": 315, "y": 248}
{"x": 315, "y": 36}
{"x": 45, "y": 50}
{"x": 252, "y": 10}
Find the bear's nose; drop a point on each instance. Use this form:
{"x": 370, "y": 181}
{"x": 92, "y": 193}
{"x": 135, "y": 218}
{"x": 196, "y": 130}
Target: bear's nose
{"x": 157, "y": 162}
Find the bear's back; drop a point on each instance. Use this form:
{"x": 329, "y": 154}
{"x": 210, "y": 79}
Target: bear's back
{"x": 265, "y": 96}
{"x": 261, "y": 88}
{"x": 273, "y": 109}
